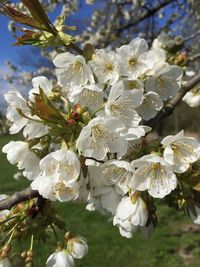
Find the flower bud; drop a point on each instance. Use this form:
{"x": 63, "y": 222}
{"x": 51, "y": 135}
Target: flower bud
{"x": 79, "y": 109}
{"x": 24, "y": 254}
{"x": 68, "y": 235}
{"x": 86, "y": 117}
{"x": 75, "y": 115}
{"x": 71, "y": 121}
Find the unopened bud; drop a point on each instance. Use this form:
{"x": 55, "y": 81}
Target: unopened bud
{"x": 86, "y": 117}
{"x": 30, "y": 253}
{"x": 24, "y": 254}
{"x": 6, "y": 248}
{"x": 71, "y": 121}
{"x": 75, "y": 115}
{"x": 79, "y": 109}
{"x": 68, "y": 235}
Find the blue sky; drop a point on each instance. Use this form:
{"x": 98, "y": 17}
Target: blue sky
{"x": 10, "y": 52}
{"x": 6, "y": 49}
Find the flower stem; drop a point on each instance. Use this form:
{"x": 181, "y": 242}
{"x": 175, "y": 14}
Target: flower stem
{"x": 32, "y": 239}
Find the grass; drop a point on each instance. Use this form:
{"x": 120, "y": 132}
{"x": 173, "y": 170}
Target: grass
{"x": 168, "y": 246}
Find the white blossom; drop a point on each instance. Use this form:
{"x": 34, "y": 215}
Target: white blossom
{"x": 135, "y": 133}
{"x": 35, "y": 129}
{"x": 180, "y": 151}
{"x": 59, "y": 173}
{"x": 105, "y": 199}
{"x": 77, "y": 247}
{"x": 117, "y": 172}
{"x": 60, "y": 259}
{"x": 33, "y": 126}
{"x": 3, "y": 213}
{"x": 150, "y": 106}
{"x": 89, "y": 96}
{"x": 101, "y": 136}
{"x": 192, "y": 98}
{"x": 5, "y": 262}
{"x": 19, "y": 153}
{"x": 130, "y": 215}
{"x": 105, "y": 67}
{"x": 72, "y": 69}
{"x": 154, "y": 174}
{"x": 131, "y": 58}
{"x": 163, "y": 41}
{"x": 165, "y": 81}
{"x": 40, "y": 82}
{"x": 122, "y": 104}
{"x": 16, "y": 101}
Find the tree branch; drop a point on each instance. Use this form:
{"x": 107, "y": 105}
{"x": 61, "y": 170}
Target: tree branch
{"x": 145, "y": 15}
{"x": 26, "y": 194}
{"x": 194, "y": 57}
{"x": 171, "y": 105}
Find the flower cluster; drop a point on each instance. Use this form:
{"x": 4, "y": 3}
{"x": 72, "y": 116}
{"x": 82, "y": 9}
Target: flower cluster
{"x": 85, "y": 135}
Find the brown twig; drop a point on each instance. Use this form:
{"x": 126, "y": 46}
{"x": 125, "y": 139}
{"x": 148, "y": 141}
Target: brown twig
{"x": 25, "y": 194}
{"x": 171, "y": 105}
{"x": 194, "y": 57}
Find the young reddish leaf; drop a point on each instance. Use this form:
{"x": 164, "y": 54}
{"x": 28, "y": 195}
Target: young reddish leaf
{"x": 22, "y": 18}
{"x": 37, "y": 11}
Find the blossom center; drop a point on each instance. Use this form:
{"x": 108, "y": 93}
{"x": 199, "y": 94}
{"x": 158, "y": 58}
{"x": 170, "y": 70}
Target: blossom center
{"x": 77, "y": 67}
{"x": 109, "y": 67}
{"x": 133, "y": 61}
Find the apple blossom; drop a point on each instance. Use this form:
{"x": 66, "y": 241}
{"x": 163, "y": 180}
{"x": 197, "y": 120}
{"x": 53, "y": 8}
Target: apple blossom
{"x": 117, "y": 172}
{"x": 40, "y": 82}
{"x": 154, "y": 174}
{"x": 59, "y": 173}
{"x": 33, "y": 126}
{"x": 105, "y": 67}
{"x": 192, "y": 98}
{"x": 16, "y": 101}
{"x": 150, "y": 106}
{"x": 105, "y": 199}
{"x": 121, "y": 104}
{"x": 180, "y": 151}
{"x": 19, "y": 153}
{"x": 60, "y": 259}
{"x": 101, "y": 136}
{"x": 72, "y": 69}
{"x": 77, "y": 247}
{"x": 165, "y": 80}
{"x": 129, "y": 216}
{"x": 89, "y": 95}
{"x": 131, "y": 58}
